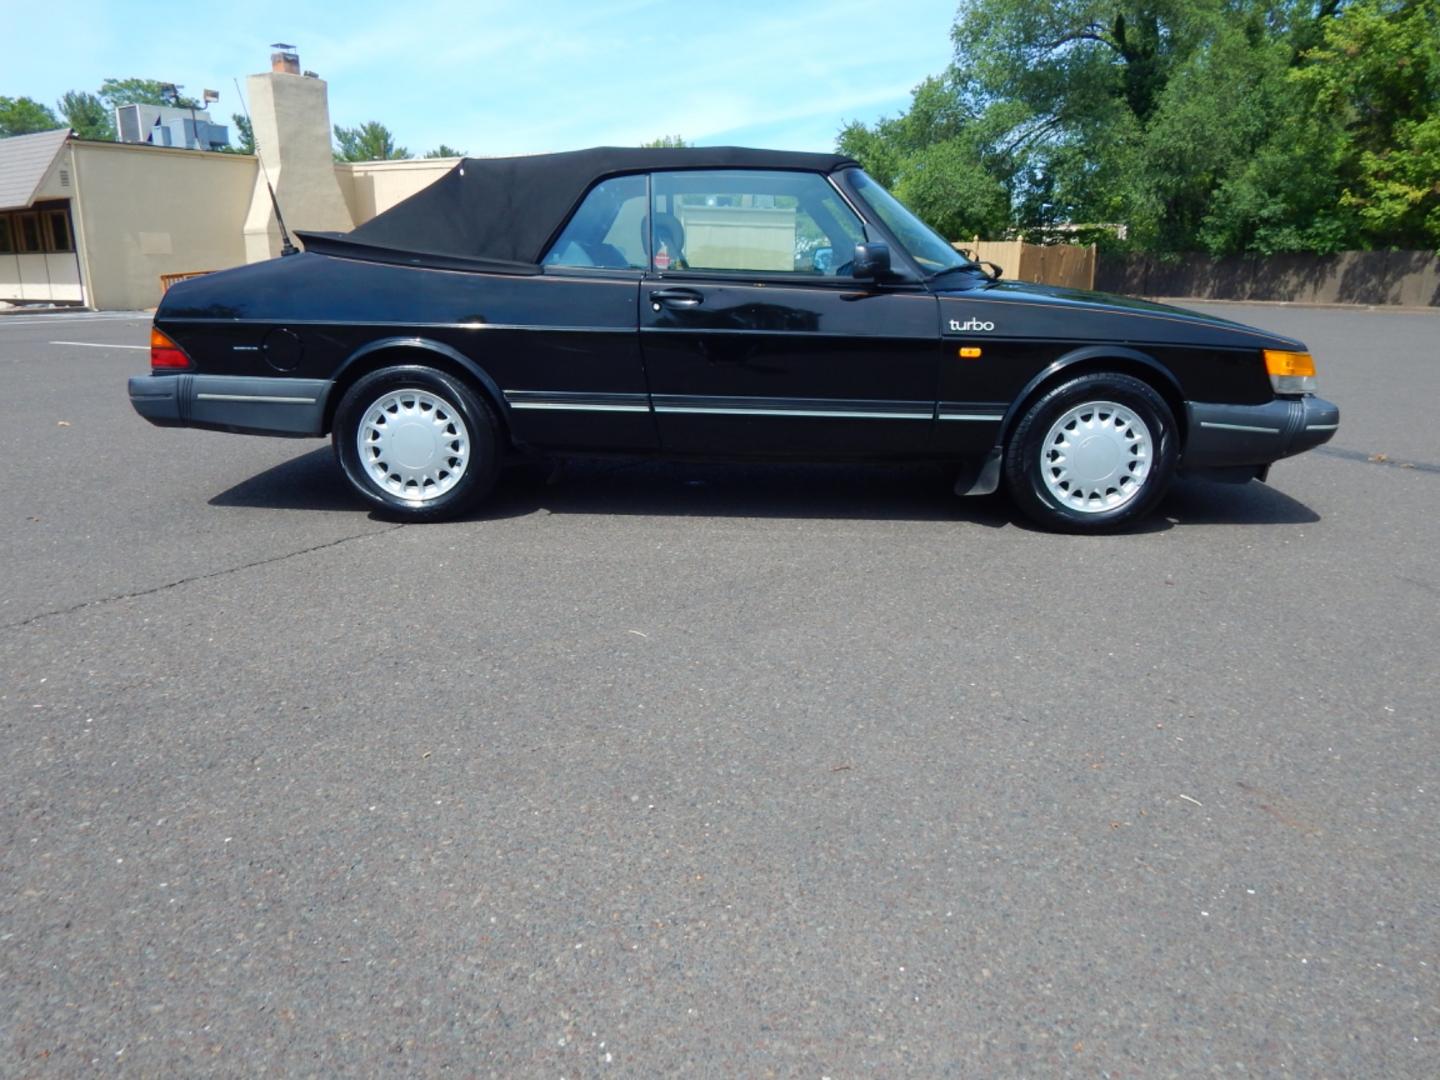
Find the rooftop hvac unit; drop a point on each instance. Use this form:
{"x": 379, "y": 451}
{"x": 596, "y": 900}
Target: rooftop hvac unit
{"x": 129, "y": 123}
{"x": 137, "y": 123}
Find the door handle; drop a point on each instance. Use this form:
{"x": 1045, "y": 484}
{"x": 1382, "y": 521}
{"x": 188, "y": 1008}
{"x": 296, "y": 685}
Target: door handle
{"x": 682, "y": 298}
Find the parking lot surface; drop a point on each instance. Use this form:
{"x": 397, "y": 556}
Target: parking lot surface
{"x": 722, "y": 770}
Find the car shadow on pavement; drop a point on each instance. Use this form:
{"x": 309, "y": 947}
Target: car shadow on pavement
{"x": 312, "y": 481}
{"x": 919, "y": 492}
{"x": 911, "y": 492}
{"x": 1192, "y": 501}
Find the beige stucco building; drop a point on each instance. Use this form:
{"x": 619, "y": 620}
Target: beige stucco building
{"x": 97, "y": 224}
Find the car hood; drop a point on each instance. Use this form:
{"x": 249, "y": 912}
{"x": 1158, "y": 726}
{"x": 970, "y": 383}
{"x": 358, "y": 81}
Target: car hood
{"x": 1032, "y": 310}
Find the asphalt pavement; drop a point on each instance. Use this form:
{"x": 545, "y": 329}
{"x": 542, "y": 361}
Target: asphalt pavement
{"x": 713, "y": 770}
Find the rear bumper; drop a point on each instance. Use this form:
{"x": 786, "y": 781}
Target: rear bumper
{"x": 1231, "y": 435}
{"x": 253, "y": 406}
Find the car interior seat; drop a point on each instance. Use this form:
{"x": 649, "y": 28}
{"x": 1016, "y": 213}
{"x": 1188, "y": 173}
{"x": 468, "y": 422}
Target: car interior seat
{"x": 671, "y": 233}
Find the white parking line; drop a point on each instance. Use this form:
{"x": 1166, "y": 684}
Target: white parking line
{"x": 98, "y": 345}
{"x": 40, "y": 320}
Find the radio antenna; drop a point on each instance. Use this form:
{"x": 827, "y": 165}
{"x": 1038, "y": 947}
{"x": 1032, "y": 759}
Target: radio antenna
{"x": 286, "y": 247}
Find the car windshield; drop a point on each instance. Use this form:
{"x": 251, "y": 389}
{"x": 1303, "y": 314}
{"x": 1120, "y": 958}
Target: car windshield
{"x": 925, "y": 245}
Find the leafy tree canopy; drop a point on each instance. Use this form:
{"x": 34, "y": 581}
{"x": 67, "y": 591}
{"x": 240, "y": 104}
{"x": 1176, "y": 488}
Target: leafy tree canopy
{"x": 371, "y": 141}
{"x": 1219, "y": 125}
{"x": 666, "y": 142}
{"x": 87, "y": 115}
{"x": 133, "y": 91}
{"x": 444, "y": 150}
{"x": 23, "y": 116}
{"x": 245, "y": 141}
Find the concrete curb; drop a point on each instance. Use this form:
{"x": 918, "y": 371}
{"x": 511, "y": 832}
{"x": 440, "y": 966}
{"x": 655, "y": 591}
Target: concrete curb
{"x": 58, "y": 310}
{"x": 1398, "y": 309}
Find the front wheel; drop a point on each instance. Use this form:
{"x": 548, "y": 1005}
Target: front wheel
{"x": 1093, "y": 454}
{"x": 416, "y": 442}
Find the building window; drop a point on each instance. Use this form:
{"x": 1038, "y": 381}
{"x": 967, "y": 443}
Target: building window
{"x": 57, "y": 224}
{"x": 29, "y": 230}
{"x": 36, "y": 231}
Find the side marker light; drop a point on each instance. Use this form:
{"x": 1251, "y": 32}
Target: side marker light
{"x": 1290, "y": 372}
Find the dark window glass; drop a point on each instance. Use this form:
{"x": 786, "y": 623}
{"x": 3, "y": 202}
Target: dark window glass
{"x": 7, "y": 236}
{"x": 747, "y": 220}
{"x": 29, "y": 233}
{"x": 606, "y": 230}
{"x": 59, "y": 222}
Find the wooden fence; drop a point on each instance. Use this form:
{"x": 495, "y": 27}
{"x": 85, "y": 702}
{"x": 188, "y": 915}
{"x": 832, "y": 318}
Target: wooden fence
{"x": 1053, "y": 264}
{"x": 166, "y": 280}
{"x": 1409, "y": 278}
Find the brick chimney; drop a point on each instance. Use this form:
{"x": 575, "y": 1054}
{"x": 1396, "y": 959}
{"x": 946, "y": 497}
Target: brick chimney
{"x": 285, "y": 60}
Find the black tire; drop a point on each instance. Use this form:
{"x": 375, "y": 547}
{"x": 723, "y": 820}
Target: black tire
{"x": 401, "y": 499}
{"x": 1028, "y": 458}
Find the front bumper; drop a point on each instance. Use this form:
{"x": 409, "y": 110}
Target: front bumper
{"x": 1223, "y": 436}
{"x": 252, "y": 406}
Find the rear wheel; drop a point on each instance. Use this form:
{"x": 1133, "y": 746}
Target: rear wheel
{"x": 1092, "y": 454}
{"x": 417, "y": 443}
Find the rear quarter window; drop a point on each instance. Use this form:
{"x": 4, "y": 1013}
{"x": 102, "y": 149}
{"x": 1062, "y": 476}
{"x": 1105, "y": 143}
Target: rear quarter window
{"x": 607, "y": 229}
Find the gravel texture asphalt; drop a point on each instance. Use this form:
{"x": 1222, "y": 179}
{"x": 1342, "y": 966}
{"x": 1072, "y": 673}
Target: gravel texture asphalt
{"x": 714, "y": 770}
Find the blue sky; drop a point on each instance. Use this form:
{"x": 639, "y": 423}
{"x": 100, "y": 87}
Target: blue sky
{"x": 503, "y": 77}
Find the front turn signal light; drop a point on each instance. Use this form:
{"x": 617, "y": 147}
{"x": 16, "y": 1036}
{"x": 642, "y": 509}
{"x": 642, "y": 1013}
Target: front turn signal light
{"x": 1290, "y": 372}
{"x": 165, "y": 355}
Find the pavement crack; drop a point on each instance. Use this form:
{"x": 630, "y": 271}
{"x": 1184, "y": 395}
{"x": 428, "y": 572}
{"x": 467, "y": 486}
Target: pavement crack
{"x": 196, "y": 577}
{"x": 1376, "y": 459}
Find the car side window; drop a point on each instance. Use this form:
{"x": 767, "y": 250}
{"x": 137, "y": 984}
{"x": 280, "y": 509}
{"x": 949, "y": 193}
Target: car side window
{"x": 750, "y": 220}
{"x": 605, "y": 230}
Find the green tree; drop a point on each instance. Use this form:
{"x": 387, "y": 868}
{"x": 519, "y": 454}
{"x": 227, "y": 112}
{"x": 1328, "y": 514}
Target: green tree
{"x": 87, "y": 115}
{"x": 937, "y": 160}
{"x": 1377, "y": 77}
{"x": 245, "y": 143}
{"x": 22, "y": 116}
{"x": 1225, "y": 125}
{"x": 443, "y": 151}
{"x": 666, "y": 142}
{"x": 134, "y": 91}
{"x": 1119, "y": 111}
{"x": 1354, "y": 160}
{"x": 371, "y": 141}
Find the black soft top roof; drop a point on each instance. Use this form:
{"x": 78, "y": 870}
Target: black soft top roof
{"x": 500, "y": 213}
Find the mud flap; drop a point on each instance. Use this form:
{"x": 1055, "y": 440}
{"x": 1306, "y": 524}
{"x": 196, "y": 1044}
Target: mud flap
{"x": 981, "y": 477}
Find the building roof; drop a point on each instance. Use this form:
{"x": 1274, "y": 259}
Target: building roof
{"x": 24, "y": 161}
{"x": 504, "y": 210}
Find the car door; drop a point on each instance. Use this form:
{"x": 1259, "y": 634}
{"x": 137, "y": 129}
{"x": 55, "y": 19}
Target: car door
{"x": 575, "y": 380}
{"x": 756, "y": 341}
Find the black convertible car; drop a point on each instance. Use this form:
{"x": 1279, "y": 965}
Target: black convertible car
{"x": 718, "y": 303}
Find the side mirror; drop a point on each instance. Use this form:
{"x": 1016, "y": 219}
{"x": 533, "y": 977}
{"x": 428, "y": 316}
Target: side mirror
{"x": 871, "y": 261}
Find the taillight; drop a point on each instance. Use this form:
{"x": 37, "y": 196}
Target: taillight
{"x": 164, "y": 353}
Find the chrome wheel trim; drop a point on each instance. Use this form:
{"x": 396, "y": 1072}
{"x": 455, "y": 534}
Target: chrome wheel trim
{"x": 1096, "y": 457}
{"x": 413, "y": 444}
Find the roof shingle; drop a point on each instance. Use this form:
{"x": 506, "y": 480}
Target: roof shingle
{"x": 24, "y": 161}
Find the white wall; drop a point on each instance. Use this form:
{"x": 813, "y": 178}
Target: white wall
{"x": 371, "y": 187}
{"x": 53, "y": 276}
{"x": 142, "y": 211}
